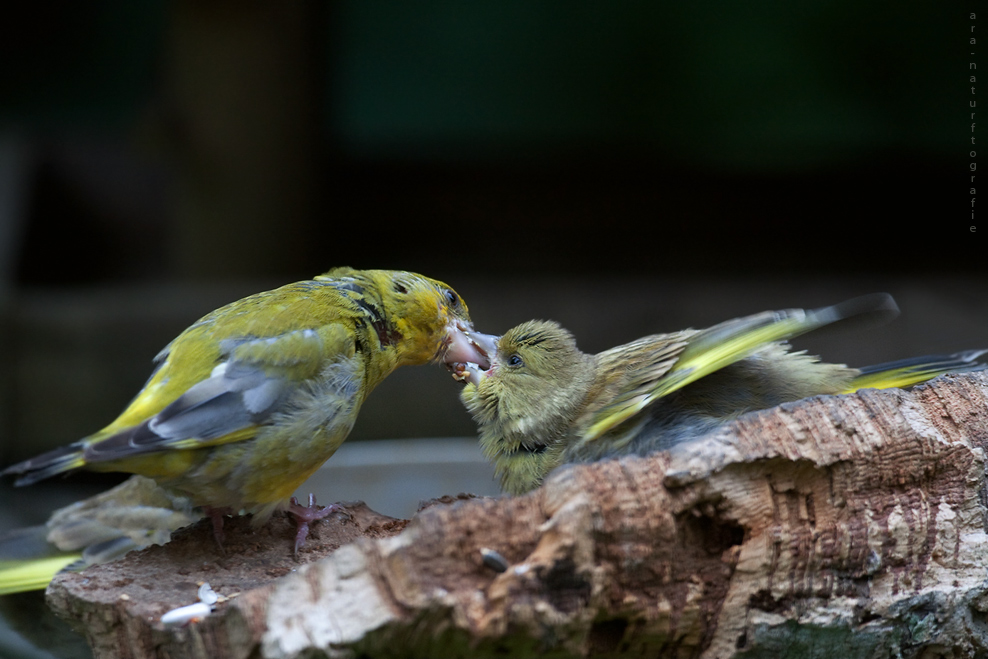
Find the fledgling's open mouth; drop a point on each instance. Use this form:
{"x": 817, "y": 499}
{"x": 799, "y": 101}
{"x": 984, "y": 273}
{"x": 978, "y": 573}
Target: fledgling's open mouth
{"x": 463, "y": 345}
{"x": 468, "y": 372}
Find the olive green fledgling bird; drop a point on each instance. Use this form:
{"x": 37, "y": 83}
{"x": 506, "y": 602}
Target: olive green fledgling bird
{"x": 544, "y": 403}
{"x": 244, "y": 405}
{"x": 133, "y": 515}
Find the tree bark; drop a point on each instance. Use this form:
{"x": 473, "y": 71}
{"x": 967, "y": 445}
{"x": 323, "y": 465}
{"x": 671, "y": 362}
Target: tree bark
{"x": 848, "y": 526}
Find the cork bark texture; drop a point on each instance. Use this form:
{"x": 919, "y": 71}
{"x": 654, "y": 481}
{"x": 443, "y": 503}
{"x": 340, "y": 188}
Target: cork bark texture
{"x": 849, "y": 526}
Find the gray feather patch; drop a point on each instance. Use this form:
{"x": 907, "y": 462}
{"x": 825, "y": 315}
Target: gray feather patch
{"x": 234, "y": 397}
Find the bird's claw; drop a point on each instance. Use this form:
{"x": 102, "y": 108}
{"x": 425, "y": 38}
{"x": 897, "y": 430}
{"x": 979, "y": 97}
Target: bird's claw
{"x": 216, "y": 516}
{"x": 304, "y": 515}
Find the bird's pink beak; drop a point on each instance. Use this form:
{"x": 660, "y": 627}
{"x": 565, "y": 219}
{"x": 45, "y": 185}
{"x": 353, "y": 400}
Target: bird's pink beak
{"x": 464, "y": 345}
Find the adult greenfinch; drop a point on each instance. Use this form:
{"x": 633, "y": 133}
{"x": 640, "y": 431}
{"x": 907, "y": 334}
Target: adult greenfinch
{"x": 544, "y": 403}
{"x": 244, "y": 405}
{"x": 133, "y": 515}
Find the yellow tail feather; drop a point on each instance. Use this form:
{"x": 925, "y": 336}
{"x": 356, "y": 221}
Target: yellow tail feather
{"x": 907, "y": 372}
{"x": 34, "y": 574}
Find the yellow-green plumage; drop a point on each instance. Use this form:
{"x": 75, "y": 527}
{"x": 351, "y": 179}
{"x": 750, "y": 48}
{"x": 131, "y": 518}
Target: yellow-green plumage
{"x": 251, "y": 399}
{"x": 544, "y": 403}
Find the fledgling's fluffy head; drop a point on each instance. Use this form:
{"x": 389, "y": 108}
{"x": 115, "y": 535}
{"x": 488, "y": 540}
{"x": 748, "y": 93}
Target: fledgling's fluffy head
{"x": 526, "y": 404}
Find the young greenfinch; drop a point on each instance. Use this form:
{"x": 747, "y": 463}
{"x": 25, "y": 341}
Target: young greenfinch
{"x": 244, "y": 405}
{"x": 544, "y": 403}
{"x": 133, "y": 515}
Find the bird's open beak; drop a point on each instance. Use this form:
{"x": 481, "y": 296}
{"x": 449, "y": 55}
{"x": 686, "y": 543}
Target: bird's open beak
{"x": 468, "y": 373}
{"x": 465, "y": 345}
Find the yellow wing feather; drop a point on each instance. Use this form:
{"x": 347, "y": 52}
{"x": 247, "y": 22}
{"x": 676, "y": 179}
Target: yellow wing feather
{"x": 721, "y": 345}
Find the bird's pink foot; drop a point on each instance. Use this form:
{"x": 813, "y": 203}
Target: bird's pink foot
{"x": 305, "y": 514}
{"x": 216, "y": 516}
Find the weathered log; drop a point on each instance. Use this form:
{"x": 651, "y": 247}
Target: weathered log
{"x": 836, "y": 526}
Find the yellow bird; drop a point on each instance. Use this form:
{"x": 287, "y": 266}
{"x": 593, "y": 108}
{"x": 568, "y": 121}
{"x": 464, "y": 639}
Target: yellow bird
{"x": 244, "y": 405}
{"x": 544, "y": 403}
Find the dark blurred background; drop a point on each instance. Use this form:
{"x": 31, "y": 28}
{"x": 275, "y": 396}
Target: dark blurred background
{"x": 623, "y": 168}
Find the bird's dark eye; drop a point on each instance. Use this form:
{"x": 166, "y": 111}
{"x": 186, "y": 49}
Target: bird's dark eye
{"x": 452, "y": 299}
{"x": 515, "y": 360}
